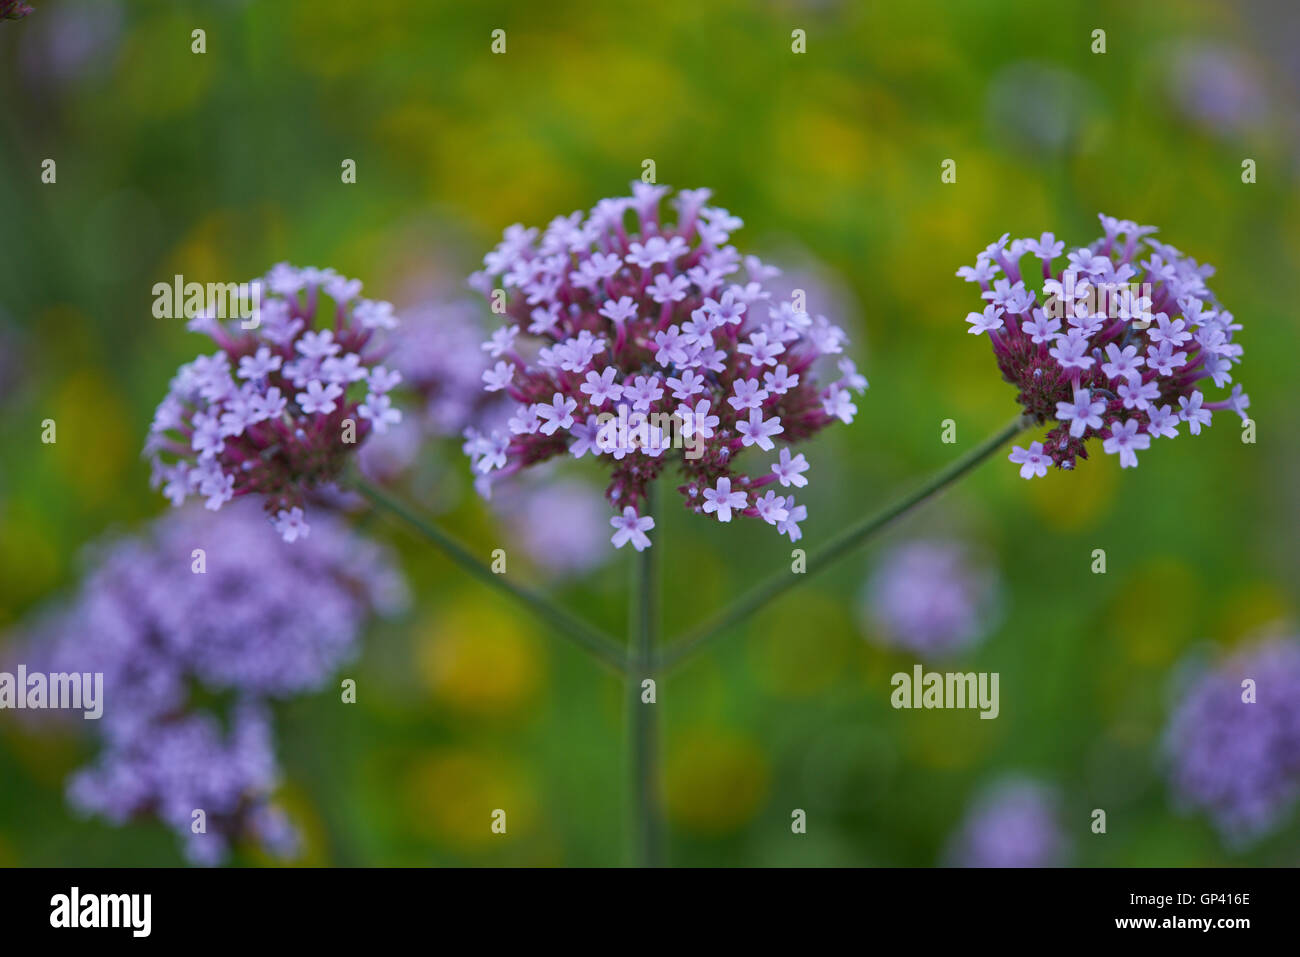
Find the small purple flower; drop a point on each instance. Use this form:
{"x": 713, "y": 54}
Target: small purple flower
{"x": 722, "y": 500}
{"x": 557, "y": 415}
{"x": 789, "y": 471}
{"x": 759, "y": 431}
{"x": 630, "y": 527}
{"x": 790, "y": 525}
{"x": 1033, "y": 461}
{"x": 1083, "y": 413}
{"x": 990, "y": 320}
{"x": 772, "y": 508}
{"x": 748, "y": 394}
{"x": 1125, "y": 440}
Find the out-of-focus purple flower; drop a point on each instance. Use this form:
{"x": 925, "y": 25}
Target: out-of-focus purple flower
{"x": 173, "y": 768}
{"x": 561, "y": 524}
{"x": 1036, "y": 107}
{"x": 933, "y": 598}
{"x": 1015, "y": 823}
{"x": 1217, "y": 88}
{"x": 1118, "y": 350}
{"x": 13, "y": 9}
{"x": 70, "y": 41}
{"x": 277, "y": 410}
{"x": 624, "y": 344}
{"x": 437, "y": 353}
{"x": 247, "y": 616}
{"x": 1235, "y": 753}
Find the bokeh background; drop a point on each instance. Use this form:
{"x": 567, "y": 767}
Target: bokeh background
{"x": 219, "y": 165}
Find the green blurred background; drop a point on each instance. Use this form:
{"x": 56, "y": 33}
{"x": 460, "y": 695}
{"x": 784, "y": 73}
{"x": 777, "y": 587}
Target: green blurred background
{"x": 219, "y": 165}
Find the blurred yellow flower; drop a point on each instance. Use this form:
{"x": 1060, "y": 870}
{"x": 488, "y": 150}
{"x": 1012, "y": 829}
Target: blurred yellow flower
{"x": 455, "y": 796}
{"x": 478, "y": 658}
{"x": 715, "y": 782}
{"x": 93, "y": 445}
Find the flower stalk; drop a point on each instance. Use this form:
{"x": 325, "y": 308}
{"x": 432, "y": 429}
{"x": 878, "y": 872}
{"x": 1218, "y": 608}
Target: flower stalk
{"x": 766, "y": 592}
{"x": 641, "y": 658}
{"x": 585, "y": 636}
{"x": 643, "y": 628}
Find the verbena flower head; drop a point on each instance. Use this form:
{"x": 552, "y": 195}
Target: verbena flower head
{"x": 261, "y": 620}
{"x": 642, "y": 342}
{"x": 1239, "y": 760}
{"x": 277, "y": 409}
{"x": 931, "y": 597}
{"x": 1120, "y": 343}
{"x": 1015, "y": 823}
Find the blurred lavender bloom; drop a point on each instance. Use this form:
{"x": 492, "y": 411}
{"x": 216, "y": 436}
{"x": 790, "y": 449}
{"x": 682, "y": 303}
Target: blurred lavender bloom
{"x": 71, "y": 41}
{"x": 1235, "y": 749}
{"x": 262, "y": 619}
{"x": 1016, "y": 823}
{"x": 931, "y": 597}
{"x": 174, "y": 767}
{"x": 13, "y": 9}
{"x": 1217, "y": 88}
{"x": 562, "y": 525}
{"x": 1039, "y": 108}
{"x": 437, "y": 353}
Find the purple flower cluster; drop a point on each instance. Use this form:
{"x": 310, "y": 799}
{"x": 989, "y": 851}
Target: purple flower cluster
{"x": 1234, "y": 758}
{"x": 1118, "y": 349}
{"x": 438, "y": 353}
{"x": 276, "y": 411}
{"x": 559, "y": 523}
{"x": 616, "y": 338}
{"x": 1016, "y": 823}
{"x": 176, "y": 632}
{"x": 933, "y": 598}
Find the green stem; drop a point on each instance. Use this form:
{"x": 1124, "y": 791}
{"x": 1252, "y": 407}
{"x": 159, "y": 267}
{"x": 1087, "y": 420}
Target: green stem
{"x": 835, "y": 549}
{"x": 565, "y": 624}
{"x": 643, "y": 624}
